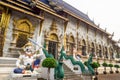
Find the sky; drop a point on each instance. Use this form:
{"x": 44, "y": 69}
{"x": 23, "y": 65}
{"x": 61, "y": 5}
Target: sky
{"x": 103, "y": 12}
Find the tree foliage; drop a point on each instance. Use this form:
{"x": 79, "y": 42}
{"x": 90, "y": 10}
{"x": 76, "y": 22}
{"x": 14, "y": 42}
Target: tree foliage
{"x": 49, "y": 63}
{"x": 116, "y": 66}
{"x": 95, "y": 65}
{"x": 110, "y": 65}
{"x": 105, "y": 64}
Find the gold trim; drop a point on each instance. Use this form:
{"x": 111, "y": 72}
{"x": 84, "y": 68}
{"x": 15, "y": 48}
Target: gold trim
{"x": 49, "y": 10}
{"x": 45, "y": 6}
{"x": 23, "y": 26}
{"x": 53, "y": 14}
{"x": 42, "y": 7}
{"x": 21, "y": 10}
{"x": 41, "y": 27}
{"x": 19, "y": 4}
{"x": 7, "y": 19}
{"x": 4, "y": 21}
{"x": 65, "y": 27}
{"x": 2, "y": 18}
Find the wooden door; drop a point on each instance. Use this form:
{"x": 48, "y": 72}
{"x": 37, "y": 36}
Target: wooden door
{"x": 52, "y": 48}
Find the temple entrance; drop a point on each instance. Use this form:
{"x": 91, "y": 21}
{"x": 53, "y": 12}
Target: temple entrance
{"x": 2, "y": 30}
{"x": 53, "y": 45}
{"x": 52, "y": 48}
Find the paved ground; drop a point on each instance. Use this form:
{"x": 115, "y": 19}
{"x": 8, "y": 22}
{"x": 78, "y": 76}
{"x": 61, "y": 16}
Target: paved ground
{"x": 114, "y": 76}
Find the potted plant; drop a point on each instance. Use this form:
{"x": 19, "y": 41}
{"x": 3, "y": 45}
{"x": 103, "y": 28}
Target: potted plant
{"x": 117, "y": 66}
{"x": 111, "y": 65}
{"x": 49, "y": 63}
{"x": 95, "y": 65}
{"x": 105, "y": 65}
{"x": 97, "y": 68}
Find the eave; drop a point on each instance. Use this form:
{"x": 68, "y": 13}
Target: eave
{"x": 91, "y": 24}
{"x": 75, "y": 16}
{"x": 47, "y": 9}
{"x": 39, "y": 5}
{"x": 21, "y": 10}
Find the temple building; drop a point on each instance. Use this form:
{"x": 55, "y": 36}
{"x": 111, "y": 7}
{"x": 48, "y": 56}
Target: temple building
{"x": 55, "y": 23}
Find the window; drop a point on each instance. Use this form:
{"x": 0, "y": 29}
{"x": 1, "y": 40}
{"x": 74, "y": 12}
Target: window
{"x": 84, "y": 50}
{"x": 71, "y": 48}
{"x": 71, "y": 45}
{"x": 22, "y": 40}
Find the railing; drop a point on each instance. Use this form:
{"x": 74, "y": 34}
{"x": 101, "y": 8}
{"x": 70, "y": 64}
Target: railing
{"x": 63, "y": 55}
{"x": 59, "y": 72}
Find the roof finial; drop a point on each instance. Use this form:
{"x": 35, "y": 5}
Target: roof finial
{"x": 87, "y": 13}
{"x": 93, "y": 20}
{"x": 105, "y": 29}
{"x": 119, "y": 41}
{"x": 98, "y": 25}
{"x": 112, "y": 34}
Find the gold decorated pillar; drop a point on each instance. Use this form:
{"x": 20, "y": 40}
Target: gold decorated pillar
{"x": 64, "y": 40}
{"x": 4, "y": 21}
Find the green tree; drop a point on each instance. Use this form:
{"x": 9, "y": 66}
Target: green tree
{"x": 117, "y": 66}
{"x": 49, "y": 63}
{"x": 95, "y": 65}
{"x": 105, "y": 65}
{"x": 110, "y": 65}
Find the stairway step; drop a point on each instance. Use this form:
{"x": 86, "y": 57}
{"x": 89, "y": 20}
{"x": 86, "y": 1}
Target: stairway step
{"x": 4, "y": 76}
{"x": 5, "y": 70}
{"x": 70, "y": 75}
{"x": 7, "y": 65}
{"x": 6, "y": 60}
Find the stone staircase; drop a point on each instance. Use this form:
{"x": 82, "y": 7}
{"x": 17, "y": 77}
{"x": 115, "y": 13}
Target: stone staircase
{"x": 70, "y": 75}
{"x": 6, "y": 67}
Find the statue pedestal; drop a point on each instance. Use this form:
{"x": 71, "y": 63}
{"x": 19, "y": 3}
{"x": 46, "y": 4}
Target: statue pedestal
{"x": 25, "y": 76}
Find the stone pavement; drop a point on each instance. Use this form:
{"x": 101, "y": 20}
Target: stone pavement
{"x": 114, "y": 76}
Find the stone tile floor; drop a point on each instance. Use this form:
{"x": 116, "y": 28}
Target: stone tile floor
{"x": 114, "y": 76}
